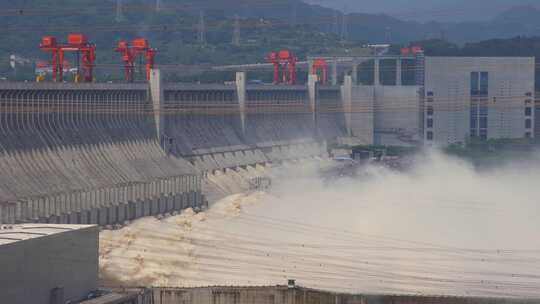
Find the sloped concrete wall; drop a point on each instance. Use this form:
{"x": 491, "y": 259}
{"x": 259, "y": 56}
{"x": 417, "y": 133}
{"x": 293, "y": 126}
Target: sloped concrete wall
{"x": 67, "y": 151}
{"x": 279, "y": 129}
{"x": 197, "y": 134}
{"x": 331, "y": 114}
{"x": 99, "y": 153}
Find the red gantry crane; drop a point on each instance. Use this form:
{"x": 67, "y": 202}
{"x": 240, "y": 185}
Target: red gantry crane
{"x": 320, "y": 66}
{"x": 77, "y": 43}
{"x": 48, "y": 44}
{"x": 413, "y": 50}
{"x": 284, "y": 63}
{"x": 139, "y": 46}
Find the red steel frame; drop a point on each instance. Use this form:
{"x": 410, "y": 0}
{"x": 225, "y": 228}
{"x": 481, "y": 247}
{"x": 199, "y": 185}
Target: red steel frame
{"x": 140, "y": 46}
{"x": 320, "y": 65}
{"x": 76, "y": 43}
{"x": 284, "y": 63}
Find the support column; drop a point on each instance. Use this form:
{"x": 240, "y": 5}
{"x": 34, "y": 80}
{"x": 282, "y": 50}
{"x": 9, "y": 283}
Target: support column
{"x": 310, "y": 67}
{"x": 346, "y": 100}
{"x": 358, "y": 106}
{"x": 399, "y": 82}
{"x": 355, "y": 73}
{"x": 312, "y": 93}
{"x": 334, "y": 72}
{"x": 377, "y": 72}
{"x": 241, "y": 95}
{"x": 156, "y": 97}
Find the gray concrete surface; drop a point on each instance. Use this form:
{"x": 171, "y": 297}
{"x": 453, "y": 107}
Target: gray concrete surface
{"x": 300, "y": 295}
{"x": 103, "y": 153}
{"x": 38, "y": 260}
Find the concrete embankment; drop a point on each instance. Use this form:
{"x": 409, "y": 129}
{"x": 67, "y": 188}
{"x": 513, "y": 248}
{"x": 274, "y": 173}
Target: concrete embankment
{"x": 297, "y": 295}
{"x": 106, "y": 154}
{"x": 86, "y": 157}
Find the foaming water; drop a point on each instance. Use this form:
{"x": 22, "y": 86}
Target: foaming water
{"x": 441, "y": 228}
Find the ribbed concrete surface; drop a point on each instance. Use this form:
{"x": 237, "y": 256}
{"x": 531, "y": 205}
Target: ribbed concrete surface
{"x": 91, "y": 155}
{"x": 51, "y": 158}
{"x": 331, "y": 125}
{"x": 203, "y": 134}
{"x": 278, "y": 129}
{"x": 60, "y": 156}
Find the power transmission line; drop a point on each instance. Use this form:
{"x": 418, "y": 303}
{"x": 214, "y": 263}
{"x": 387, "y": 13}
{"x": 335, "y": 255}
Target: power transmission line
{"x": 335, "y": 28}
{"x": 236, "y": 31}
{"x": 344, "y": 27}
{"x": 294, "y": 14}
{"x": 388, "y": 34}
{"x": 119, "y": 13}
{"x": 202, "y": 28}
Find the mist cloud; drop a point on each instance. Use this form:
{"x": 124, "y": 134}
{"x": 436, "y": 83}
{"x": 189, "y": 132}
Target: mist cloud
{"x": 441, "y": 228}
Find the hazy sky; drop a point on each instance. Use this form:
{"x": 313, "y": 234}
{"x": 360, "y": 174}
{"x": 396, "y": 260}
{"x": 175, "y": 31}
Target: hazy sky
{"x": 426, "y": 10}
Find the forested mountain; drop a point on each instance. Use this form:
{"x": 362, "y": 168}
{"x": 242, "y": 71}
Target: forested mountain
{"x": 517, "y": 46}
{"x": 172, "y": 26}
{"x": 429, "y": 10}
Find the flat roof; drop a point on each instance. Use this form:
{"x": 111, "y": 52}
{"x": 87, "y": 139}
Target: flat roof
{"x": 22, "y": 232}
{"x": 112, "y": 298}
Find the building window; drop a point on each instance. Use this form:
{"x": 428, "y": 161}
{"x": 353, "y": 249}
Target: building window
{"x": 474, "y": 83}
{"x": 528, "y": 94}
{"x": 430, "y": 93}
{"x": 483, "y": 134}
{"x": 430, "y": 123}
{"x": 430, "y": 99}
{"x": 474, "y": 108}
{"x": 528, "y": 101}
{"x": 528, "y": 123}
{"x": 474, "y": 124}
{"x": 479, "y": 83}
{"x": 528, "y": 111}
{"x": 430, "y": 110}
{"x": 429, "y": 135}
{"x": 483, "y": 110}
{"x": 483, "y": 123}
{"x": 527, "y": 134}
{"x": 484, "y": 83}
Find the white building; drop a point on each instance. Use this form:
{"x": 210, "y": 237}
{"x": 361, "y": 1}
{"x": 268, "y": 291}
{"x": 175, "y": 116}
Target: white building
{"x": 481, "y": 97}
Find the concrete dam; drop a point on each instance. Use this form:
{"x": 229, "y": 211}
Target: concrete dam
{"x": 109, "y": 153}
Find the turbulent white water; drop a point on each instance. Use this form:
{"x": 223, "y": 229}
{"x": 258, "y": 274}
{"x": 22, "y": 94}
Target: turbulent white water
{"x": 442, "y": 228}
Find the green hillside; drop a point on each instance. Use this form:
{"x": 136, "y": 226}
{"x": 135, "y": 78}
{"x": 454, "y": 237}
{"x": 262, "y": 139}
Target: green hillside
{"x": 173, "y": 30}
{"x": 264, "y": 26}
{"x": 513, "y": 47}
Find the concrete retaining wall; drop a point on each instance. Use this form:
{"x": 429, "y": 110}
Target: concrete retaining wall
{"x": 65, "y": 152}
{"x": 94, "y": 153}
{"x": 209, "y": 120}
{"x": 42, "y": 259}
{"x": 275, "y": 153}
{"x": 108, "y": 206}
{"x": 299, "y": 295}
